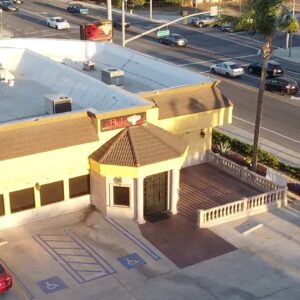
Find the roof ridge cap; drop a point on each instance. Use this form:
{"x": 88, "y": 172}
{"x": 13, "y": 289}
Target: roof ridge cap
{"x": 121, "y": 134}
{"x": 134, "y": 150}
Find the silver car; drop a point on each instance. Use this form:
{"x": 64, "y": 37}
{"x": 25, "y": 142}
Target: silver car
{"x": 228, "y": 68}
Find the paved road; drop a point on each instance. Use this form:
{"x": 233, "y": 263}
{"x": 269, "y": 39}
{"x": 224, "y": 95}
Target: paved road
{"x": 206, "y": 46}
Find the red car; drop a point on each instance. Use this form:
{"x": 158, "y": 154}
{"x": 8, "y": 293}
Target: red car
{"x": 5, "y": 280}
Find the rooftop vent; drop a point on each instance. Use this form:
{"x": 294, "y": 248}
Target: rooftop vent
{"x": 113, "y": 76}
{"x": 56, "y": 104}
{"x": 89, "y": 65}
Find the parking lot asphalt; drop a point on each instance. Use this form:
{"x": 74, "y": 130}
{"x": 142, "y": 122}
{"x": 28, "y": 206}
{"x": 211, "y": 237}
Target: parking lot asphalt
{"x": 82, "y": 255}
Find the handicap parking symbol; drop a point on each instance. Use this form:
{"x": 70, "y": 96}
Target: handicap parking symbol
{"x": 131, "y": 261}
{"x": 51, "y": 285}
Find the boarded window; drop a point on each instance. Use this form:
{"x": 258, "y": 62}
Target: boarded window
{"x": 79, "y": 186}
{"x": 21, "y": 200}
{"x": 52, "y": 192}
{"x": 2, "y": 211}
{"x": 121, "y": 195}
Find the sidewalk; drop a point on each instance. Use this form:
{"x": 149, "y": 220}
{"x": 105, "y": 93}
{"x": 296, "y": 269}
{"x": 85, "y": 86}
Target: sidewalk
{"x": 284, "y": 54}
{"x": 285, "y": 155}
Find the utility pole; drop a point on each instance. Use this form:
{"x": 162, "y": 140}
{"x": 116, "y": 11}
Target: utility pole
{"x": 123, "y": 23}
{"x": 291, "y": 38}
{"x": 150, "y": 9}
{"x": 109, "y": 9}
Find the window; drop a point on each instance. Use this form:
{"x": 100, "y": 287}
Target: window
{"x": 2, "y": 210}
{"x": 79, "y": 186}
{"x": 21, "y": 200}
{"x": 121, "y": 195}
{"x": 52, "y": 192}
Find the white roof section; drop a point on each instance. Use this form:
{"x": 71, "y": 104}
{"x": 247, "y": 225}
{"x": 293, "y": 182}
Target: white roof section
{"x": 48, "y": 66}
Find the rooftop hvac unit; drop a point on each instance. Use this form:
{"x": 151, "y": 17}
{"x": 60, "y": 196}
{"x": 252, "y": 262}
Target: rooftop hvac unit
{"x": 113, "y": 76}
{"x": 89, "y": 65}
{"x": 56, "y": 104}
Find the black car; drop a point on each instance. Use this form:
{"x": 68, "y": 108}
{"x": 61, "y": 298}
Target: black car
{"x": 173, "y": 39}
{"x": 117, "y": 23}
{"x": 274, "y": 68}
{"x": 8, "y": 6}
{"x": 282, "y": 85}
{"x": 226, "y": 28}
{"x": 78, "y": 9}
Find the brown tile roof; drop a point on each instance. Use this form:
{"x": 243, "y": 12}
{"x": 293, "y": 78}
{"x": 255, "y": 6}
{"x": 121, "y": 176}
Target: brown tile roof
{"x": 46, "y": 134}
{"x": 188, "y": 100}
{"x": 140, "y": 145}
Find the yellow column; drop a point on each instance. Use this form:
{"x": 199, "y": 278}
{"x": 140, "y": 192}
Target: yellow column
{"x": 6, "y": 204}
{"x": 175, "y": 190}
{"x": 66, "y": 189}
{"x": 37, "y": 197}
{"x": 140, "y": 201}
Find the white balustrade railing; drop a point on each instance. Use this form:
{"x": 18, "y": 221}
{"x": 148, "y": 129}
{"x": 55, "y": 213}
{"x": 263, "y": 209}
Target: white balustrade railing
{"x": 259, "y": 182}
{"x": 242, "y": 208}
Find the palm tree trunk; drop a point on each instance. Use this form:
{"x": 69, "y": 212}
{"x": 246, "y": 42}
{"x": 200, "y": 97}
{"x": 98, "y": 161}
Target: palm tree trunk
{"x": 266, "y": 50}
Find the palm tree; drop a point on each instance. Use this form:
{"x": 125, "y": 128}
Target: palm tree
{"x": 264, "y": 16}
{"x": 290, "y": 26}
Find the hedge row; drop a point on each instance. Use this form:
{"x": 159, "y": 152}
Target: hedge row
{"x": 246, "y": 150}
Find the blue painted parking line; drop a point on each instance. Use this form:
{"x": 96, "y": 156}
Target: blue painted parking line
{"x": 131, "y": 261}
{"x": 78, "y": 258}
{"x": 133, "y": 238}
{"x": 51, "y": 285}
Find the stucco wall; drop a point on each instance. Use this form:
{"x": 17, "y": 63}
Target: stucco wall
{"x": 98, "y": 191}
{"x": 47, "y": 211}
{"x": 22, "y": 172}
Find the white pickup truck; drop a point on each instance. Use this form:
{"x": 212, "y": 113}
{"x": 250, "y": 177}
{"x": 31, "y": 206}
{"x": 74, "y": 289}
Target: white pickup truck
{"x": 205, "y": 20}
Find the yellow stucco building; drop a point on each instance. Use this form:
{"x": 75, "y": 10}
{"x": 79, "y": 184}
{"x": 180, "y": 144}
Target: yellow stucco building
{"x": 120, "y": 149}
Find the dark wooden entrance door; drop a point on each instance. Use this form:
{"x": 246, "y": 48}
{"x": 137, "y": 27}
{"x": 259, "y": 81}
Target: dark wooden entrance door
{"x": 155, "y": 193}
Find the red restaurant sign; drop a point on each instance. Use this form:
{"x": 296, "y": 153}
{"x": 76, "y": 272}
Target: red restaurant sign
{"x": 123, "y": 121}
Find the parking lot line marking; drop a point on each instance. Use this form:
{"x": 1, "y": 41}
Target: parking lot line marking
{"x": 22, "y": 289}
{"x": 133, "y": 238}
{"x": 101, "y": 267}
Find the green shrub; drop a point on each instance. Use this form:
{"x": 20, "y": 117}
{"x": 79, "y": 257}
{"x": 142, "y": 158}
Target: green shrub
{"x": 264, "y": 157}
{"x": 117, "y": 3}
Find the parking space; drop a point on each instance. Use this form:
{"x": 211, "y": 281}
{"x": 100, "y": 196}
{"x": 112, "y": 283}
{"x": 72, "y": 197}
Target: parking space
{"x": 62, "y": 260}
{"x": 85, "y": 256}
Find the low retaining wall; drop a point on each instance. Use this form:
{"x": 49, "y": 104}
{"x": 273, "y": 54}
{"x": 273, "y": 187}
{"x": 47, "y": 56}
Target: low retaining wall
{"x": 274, "y": 196}
{"x": 241, "y": 208}
{"x": 242, "y": 173}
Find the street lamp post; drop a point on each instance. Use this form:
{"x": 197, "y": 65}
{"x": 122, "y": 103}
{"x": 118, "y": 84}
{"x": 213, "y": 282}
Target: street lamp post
{"x": 291, "y": 38}
{"x": 150, "y": 10}
{"x": 109, "y": 9}
{"x": 1, "y": 25}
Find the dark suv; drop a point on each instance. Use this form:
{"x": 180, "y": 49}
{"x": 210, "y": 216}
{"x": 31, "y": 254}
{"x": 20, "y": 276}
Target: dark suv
{"x": 274, "y": 68}
{"x": 282, "y": 85}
